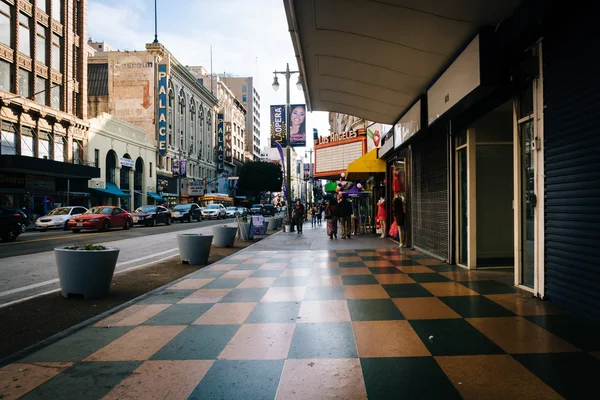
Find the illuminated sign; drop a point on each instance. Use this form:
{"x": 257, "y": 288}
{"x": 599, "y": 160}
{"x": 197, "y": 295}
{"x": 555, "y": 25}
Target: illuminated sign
{"x": 339, "y": 137}
{"x": 220, "y": 143}
{"x": 162, "y": 109}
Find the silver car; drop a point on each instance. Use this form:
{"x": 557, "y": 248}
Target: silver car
{"x": 232, "y": 212}
{"x": 58, "y": 218}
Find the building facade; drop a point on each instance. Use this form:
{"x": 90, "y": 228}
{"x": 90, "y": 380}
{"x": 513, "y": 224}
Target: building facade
{"x": 243, "y": 88}
{"x": 126, "y": 85}
{"x": 43, "y": 110}
{"x": 127, "y": 161}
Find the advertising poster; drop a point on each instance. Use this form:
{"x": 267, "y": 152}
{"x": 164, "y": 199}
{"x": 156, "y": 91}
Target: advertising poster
{"x": 298, "y": 125}
{"x": 259, "y": 228}
{"x": 278, "y": 128}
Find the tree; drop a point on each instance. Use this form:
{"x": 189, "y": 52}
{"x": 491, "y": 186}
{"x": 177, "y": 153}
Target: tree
{"x": 257, "y": 177}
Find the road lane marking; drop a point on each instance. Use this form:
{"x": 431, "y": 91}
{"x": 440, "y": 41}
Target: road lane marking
{"x": 53, "y": 238}
{"x": 52, "y": 281}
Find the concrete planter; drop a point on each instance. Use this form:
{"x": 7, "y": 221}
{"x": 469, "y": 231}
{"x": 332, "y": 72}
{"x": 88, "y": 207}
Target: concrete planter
{"x": 194, "y": 248}
{"x": 279, "y": 222}
{"x": 85, "y": 272}
{"x": 271, "y": 224}
{"x": 224, "y": 235}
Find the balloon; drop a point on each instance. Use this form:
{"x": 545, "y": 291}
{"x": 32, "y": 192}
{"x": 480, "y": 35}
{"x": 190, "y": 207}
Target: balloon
{"x": 339, "y": 184}
{"x": 337, "y": 190}
{"x": 343, "y": 175}
{"x": 358, "y": 185}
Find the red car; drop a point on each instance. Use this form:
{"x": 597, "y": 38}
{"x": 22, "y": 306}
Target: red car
{"x": 101, "y": 218}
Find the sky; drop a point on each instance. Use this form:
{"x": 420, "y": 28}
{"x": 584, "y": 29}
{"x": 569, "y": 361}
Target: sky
{"x": 248, "y": 38}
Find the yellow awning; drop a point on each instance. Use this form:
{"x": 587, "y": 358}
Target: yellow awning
{"x": 365, "y": 165}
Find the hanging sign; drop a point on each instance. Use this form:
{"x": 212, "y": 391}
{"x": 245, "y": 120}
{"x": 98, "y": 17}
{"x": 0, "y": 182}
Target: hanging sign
{"x": 162, "y": 109}
{"x": 220, "y": 143}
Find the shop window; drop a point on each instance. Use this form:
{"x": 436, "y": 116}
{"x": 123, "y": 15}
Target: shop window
{"x": 41, "y": 42}
{"x": 5, "y": 28}
{"x": 8, "y": 141}
{"x": 57, "y": 10}
{"x": 24, "y": 83}
{"x": 41, "y": 93}
{"x": 5, "y": 76}
{"x": 59, "y": 148}
{"x": 27, "y": 143}
{"x": 25, "y": 34}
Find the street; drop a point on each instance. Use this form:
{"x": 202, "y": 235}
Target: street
{"x": 27, "y": 266}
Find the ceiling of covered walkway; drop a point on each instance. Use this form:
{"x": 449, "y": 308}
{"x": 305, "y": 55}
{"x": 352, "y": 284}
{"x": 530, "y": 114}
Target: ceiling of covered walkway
{"x": 373, "y": 58}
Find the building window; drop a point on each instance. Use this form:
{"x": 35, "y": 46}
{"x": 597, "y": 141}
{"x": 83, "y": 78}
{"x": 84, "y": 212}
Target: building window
{"x": 5, "y": 76}
{"x": 57, "y": 10}
{"x": 181, "y": 120}
{"x": 244, "y": 89}
{"x": 56, "y": 56}
{"x": 170, "y": 116}
{"x": 41, "y": 4}
{"x": 75, "y": 103}
{"x": 77, "y": 148}
{"x": 244, "y": 99}
{"x": 25, "y": 34}
{"x": 44, "y": 146}
{"x": 5, "y": 28}
{"x": 97, "y": 158}
{"x": 41, "y": 93}
{"x": 27, "y": 143}
{"x": 8, "y": 143}
{"x": 76, "y": 4}
{"x": 192, "y": 120}
{"x": 41, "y": 44}
{"x": 201, "y": 131}
{"x": 150, "y": 169}
{"x": 24, "y": 83}
{"x": 59, "y": 148}
{"x": 76, "y": 66}
{"x": 57, "y": 97}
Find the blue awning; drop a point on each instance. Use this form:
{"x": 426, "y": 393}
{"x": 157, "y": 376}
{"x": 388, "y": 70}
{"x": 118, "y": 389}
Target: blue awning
{"x": 111, "y": 190}
{"x": 155, "y": 196}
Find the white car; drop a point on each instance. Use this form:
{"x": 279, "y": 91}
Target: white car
{"x": 58, "y": 218}
{"x": 216, "y": 211}
{"x": 232, "y": 212}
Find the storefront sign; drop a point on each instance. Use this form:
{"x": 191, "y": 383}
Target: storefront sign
{"x": 409, "y": 124}
{"x": 220, "y": 144}
{"x": 388, "y": 144}
{"x": 40, "y": 185}
{"x": 127, "y": 162}
{"x": 337, "y": 137}
{"x": 196, "y": 189}
{"x": 278, "y": 128}
{"x": 162, "y": 109}
{"x": 14, "y": 181}
{"x": 460, "y": 79}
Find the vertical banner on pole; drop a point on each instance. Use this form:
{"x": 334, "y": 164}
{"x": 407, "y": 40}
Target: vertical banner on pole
{"x": 280, "y": 150}
{"x": 298, "y": 125}
{"x": 278, "y": 128}
{"x": 220, "y": 144}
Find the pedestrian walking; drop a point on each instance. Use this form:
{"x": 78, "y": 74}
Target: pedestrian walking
{"x": 299, "y": 215}
{"x": 345, "y": 215}
{"x": 398, "y": 206}
{"x": 331, "y": 216}
{"x": 314, "y": 210}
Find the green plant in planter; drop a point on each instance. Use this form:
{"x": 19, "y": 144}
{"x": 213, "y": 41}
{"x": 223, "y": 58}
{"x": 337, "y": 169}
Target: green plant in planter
{"x": 87, "y": 246}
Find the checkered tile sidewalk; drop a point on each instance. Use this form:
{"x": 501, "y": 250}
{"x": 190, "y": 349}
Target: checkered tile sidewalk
{"x": 352, "y": 324}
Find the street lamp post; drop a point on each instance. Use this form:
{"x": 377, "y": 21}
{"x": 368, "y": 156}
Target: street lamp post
{"x": 310, "y": 174}
{"x": 288, "y": 148}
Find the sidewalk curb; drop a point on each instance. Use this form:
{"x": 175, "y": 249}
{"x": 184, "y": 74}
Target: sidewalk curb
{"x": 69, "y": 331}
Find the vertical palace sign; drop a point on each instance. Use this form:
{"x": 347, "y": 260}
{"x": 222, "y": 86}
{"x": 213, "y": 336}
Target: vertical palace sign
{"x": 220, "y": 167}
{"x": 162, "y": 109}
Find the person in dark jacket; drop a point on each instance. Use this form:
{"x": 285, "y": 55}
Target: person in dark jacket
{"x": 331, "y": 215}
{"x": 398, "y": 206}
{"x": 345, "y": 214}
{"x": 299, "y": 215}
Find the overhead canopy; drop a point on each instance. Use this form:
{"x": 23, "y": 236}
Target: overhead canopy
{"x": 155, "y": 196}
{"x": 365, "y": 165}
{"x": 373, "y": 59}
{"x": 111, "y": 190}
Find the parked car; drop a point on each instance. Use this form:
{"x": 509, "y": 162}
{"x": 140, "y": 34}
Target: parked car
{"x": 257, "y": 209}
{"x": 215, "y": 211}
{"x": 269, "y": 210}
{"x": 58, "y": 218}
{"x": 102, "y": 218}
{"x": 232, "y": 212}
{"x": 243, "y": 211}
{"x": 151, "y": 215}
{"x": 11, "y": 223}
{"x": 186, "y": 212}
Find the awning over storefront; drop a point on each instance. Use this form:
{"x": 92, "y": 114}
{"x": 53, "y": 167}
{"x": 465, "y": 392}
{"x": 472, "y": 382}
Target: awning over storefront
{"x": 365, "y": 165}
{"x": 111, "y": 190}
{"x": 330, "y": 187}
{"x": 373, "y": 59}
{"x": 155, "y": 196}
